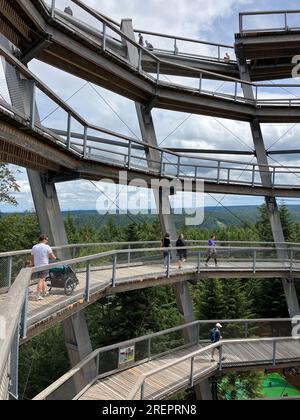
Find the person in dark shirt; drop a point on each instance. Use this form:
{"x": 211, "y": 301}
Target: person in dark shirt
{"x": 166, "y": 243}
{"x": 182, "y": 252}
{"x": 141, "y": 40}
{"x": 216, "y": 338}
{"x": 212, "y": 253}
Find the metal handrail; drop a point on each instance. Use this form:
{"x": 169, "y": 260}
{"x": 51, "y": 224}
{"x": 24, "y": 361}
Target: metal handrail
{"x": 285, "y": 14}
{"x": 148, "y": 337}
{"x": 198, "y": 353}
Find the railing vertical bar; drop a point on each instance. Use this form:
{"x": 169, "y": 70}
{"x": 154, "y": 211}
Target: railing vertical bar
{"x": 192, "y": 371}
{"x": 104, "y": 37}
{"x": 24, "y": 316}
{"x": 69, "y": 131}
{"x": 9, "y": 271}
{"x": 32, "y": 104}
{"x": 88, "y": 282}
{"x": 274, "y": 352}
{"x": 85, "y": 139}
{"x": 53, "y": 8}
{"x": 254, "y": 261}
{"x": 114, "y": 271}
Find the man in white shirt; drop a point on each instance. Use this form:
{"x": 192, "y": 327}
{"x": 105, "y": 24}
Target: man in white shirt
{"x": 40, "y": 254}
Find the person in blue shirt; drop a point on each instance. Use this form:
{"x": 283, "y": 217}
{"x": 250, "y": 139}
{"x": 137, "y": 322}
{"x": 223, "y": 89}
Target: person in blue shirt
{"x": 212, "y": 253}
{"x": 215, "y": 338}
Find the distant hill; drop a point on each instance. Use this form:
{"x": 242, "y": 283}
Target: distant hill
{"x": 214, "y": 217}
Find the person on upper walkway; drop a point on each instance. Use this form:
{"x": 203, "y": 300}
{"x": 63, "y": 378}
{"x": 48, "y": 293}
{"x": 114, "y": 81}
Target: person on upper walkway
{"x": 212, "y": 252}
{"x": 141, "y": 40}
{"x": 69, "y": 11}
{"x": 215, "y": 337}
{"x": 182, "y": 251}
{"x": 166, "y": 243}
{"x": 40, "y": 256}
{"x": 227, "y": 58}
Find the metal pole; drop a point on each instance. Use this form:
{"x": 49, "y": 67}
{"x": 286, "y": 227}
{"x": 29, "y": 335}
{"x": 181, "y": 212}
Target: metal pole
{"x": 292, "y": 261}
{"x": 85, "y": 142}
{"x": 254, "y": 261}
{"x": 69, "y": 131}
{"x": 253, "y": 175}
{"x": 32, "y": 104}
{"x": 221, "y": 357}
{"x": 104, "y": 37}
{"x": 149, "y": 348}
{"x": 199, "y": 262}
{"x": 162, "y": 163}
{"x": 9, "y": 271}
{"x": 178, "y": 167}
{"x": 235, "y": 92}
{"x": 98, "y": 364}
{"x": 246, "y": 330}
{"x": 143, "y": 390}
{"x": 129, "y": 154}
{"x": 219, "y": 53}
{"x": 200, "y": 82}
{"x": 14, "y": 367}
{"x": 23, "y": 330}
{"x": 53, "y": 9}
{"x": 286, "y": 22}
{"x": 169, "y": 264}
{"x": 274, "y": 353}
{"x": 175, "y": 47}
{"x": 158, "y": 71}
{"x": 114, "y": 273}
{"x": 140, "y": 60}
{"x": 87, "y": 285}
{"x": 219, "y": 172}
{"x": 192, "y": 372}
{"x": 129, "y": 254}
{"x": 241, "y": 23}
{"x": 274, "y": 176}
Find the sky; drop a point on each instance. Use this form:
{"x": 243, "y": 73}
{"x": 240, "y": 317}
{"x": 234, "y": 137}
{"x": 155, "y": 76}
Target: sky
{"x": 216, "y": 21}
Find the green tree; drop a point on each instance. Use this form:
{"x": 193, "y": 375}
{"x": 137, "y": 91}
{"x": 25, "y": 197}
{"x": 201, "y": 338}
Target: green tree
{"x": 8, "y": 185}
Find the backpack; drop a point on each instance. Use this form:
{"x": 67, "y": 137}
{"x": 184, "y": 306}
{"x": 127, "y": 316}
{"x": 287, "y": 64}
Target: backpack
{"x": 212, "y": 335}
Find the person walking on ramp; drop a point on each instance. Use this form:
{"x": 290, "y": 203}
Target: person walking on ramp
{"x": 212, "y": 252}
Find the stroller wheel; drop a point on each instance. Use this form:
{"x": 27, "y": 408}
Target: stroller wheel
{"x": 69, "y": 286}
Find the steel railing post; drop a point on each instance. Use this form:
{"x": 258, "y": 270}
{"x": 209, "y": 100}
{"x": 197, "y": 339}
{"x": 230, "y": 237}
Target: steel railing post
{"x": 221, "y": 357}
{"x": 199, "y": 263}
{"x": 200, "y": 82}
{"x": 14, "y": 367}
{"x": 32, "y": 104}
{"x": 178, "y": 166}
{"x": 274, "y": 352}
{"x": 274, "y": 176}
{"x": 246, "y": 330}
{"x": 98, "y": 364}
{"x": 286, "y": 22}
{"x": 219, "y": 172}
{"x": 158, "y": 72}
{"x": 149, "y": 348}
{"x": 53, "y": 8}
{"x": 87, "y": 283}
{"x": 69, "y": 131}
{"x": 85, "y": 139}
{"x": 219, "y": 53}
{"x": 104, "y": 37}
{"x": 169, "y": 264}
{"x": 114, "y": 271}
{"x": 175, "y": 47}
{"x": 129, "y": 255}
{"x": 162, "y": 163}
{"x": 254, "y": 261}
{"x": 241, "y": 24}
{"x": 9, "y": 271}
{"x": 140, "y": 60}
{"x": 253, "y": 175}
{"x": 235, "y": 91}
{"x": 192, "y": 371}
{"x": 129, "y": 154}
{"x": 292, "y": 261}
{"x": 24, "y": 316}
{"x": 143, "y": 390}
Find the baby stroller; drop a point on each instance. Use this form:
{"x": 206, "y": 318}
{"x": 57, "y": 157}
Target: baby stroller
{"x": 63, "y": 277}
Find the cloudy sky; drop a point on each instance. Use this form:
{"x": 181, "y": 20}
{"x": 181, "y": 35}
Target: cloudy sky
{"x": 216, "y": 21}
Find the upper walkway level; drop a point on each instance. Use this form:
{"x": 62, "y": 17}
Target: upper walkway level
{"x": 72, "y": 47}
{"x": 74, "y": 148}
{"x": 158, "y": 366}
